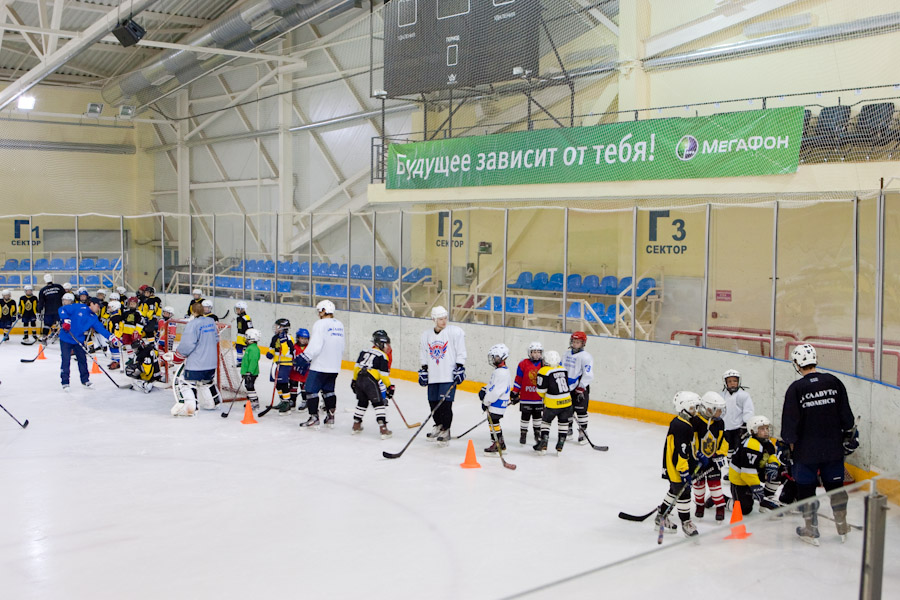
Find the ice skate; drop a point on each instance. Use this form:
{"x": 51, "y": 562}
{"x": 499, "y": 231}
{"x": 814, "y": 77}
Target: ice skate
{"x": 689, "y": 529}
{"x": 668, "y": 525}
{"x": 284, "y": 408}
{"x": 720, "y": 514}
{"x": 809, "y": 533}
{"x": 840, "y": 522}
{"x": 113, "y": 366}
{"x": 700, "y": 511}
{"x": 432, "y": 436}
{"x": 560, "y": 443}
{"x": 88, "y": 384}
{"x": 767, "y": 504}
{"x": 581, "y": 439}
{"x": 357, "y": 427}
{"x": 329, "y": 419}
{"x": 65, "y": 387}
{"x": 541, "y": 446}
{"x": 313, "y": 422}
{"x": 443, "y": 438}
{"x": 384, "y": 431}
{"x": 492, "y": 449}
{"x": 523, "y": 436}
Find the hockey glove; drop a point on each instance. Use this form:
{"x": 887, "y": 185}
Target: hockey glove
{"x": 423, "y": 376}
{"x": 353, "y": 385}
{"x": 114, "y": 341}
{"x": 390, "y": 391}
{"x": 719, "y": 461}
{"x": 514, "y": 398}
{"x": 704, "y": 461}
{"x": 301, "y": 362}
{"x": 758, "y": 492}
{"x": 67, "y": 325}
{"x": 686, "y": 478}
{"x": 482, "y": 393}
{"x": 578, "y": 396}
{"x": 772, "y": 471}
{"x": 851, "y": 441}
{"x": 459, "y": 374}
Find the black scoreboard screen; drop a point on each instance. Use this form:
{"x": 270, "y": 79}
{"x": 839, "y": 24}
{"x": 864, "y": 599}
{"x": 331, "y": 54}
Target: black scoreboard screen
{"x": 432, "y": 45}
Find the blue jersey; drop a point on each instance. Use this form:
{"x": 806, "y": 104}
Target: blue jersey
{"x": 81, "y": 320}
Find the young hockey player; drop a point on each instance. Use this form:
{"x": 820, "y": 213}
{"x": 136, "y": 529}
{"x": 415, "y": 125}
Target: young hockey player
{"x": 323, "y": 360}
{"x": 679, "y": 464}
{"x": 372, "y": 383}
{"x": 114, "y": 324}
{"x": 442, "y": 354}
{"x": 208, "y": 310}
{"x": 132, "y": 324}
{"x": 250, "y": 365}
{"x": 738, "y": 409}
{"x": 750, "y": 464}
{"x": 150, "y": 305}
{"x": 28, "y": 313}
{"x": 8, "y": 311}
{"x": 144, "y": 365}
{"x": 553, "y": 386}
{"x": 495, "y": 396}
{"x": 525, "y": 391}
{"x": 281, "y": 353}
{"x": 168, "y": 313}
{"x": 82, "y": 296}
{"x": 197, "y": 299}
{"x": 243, "y": 324}
{"x": 709, "y": 442}
{"x": 299, "y": 375}
{"x": 579, "y": 365}
{"x": 49, "y": 301}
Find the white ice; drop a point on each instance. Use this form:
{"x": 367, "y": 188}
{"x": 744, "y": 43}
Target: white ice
{"x": 105, "y": 495}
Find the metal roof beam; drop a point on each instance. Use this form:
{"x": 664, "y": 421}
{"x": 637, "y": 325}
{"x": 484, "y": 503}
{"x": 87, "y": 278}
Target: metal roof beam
{"x": 16, "y": 22}
{"x": 148, "y": 14}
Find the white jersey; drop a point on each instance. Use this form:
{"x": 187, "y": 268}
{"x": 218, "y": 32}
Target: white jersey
{"x": 326, "y": 346}
{"x": 579, "y": 367}
{"x": 496, "y": 394}
{"x": 442, "y": 352}
{"x": 738, "y": 409}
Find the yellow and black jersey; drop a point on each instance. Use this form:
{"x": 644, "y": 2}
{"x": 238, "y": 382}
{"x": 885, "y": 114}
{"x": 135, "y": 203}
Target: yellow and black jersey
{"x": 150, "y": 308}
{"x": 678, "y": 455}
{"x": 374, "y": 362}
{"x": 7, "y": 309}
{"x": 28, "y": 306}
{"x": 552, "y": 385}
{"x": 115, "y": 324}
{"x": 281, "y": 352}
{"x": 194, "y": 301}
{"x": 243, "y": 324}
{"x": 132, "y": 322}
{"x": 749, "y": 461}
{"x": 104, "y": 311}
{"x": 709, "y": 436}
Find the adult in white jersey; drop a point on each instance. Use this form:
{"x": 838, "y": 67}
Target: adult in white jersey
{"x": 579, "y": 366}
{"x": 322, "y": 357}
{"x": 738, "y": 409}
{"x": 442, "y": 354}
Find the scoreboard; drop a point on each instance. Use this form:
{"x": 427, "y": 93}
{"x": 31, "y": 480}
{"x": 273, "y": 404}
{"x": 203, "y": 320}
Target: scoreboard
{"x": 432, "y": 45}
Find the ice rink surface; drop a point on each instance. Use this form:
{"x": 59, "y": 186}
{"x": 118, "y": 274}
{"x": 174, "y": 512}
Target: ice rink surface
{"x": 105, "y": 495}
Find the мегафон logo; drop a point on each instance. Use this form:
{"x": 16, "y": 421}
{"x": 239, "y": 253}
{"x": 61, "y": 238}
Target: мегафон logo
{"x": 687, "y": 148}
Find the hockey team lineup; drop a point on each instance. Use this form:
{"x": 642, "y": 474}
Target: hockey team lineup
{"x": 713, "y": 438}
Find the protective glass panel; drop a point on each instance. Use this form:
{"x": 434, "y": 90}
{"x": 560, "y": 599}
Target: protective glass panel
{"x": 16, "y": 259}
{"x": 815, "y": 280}
{"x": 890, "y": 355}
{"x": 54, "y": 253}
{"x": 293, "y": 265}
{"x": 478, "y": 266}
{"x": 177, "y": 254}
{"x": 740, "y": 282}
{"x": 363, "y": 272}
{"x": 868, "y": 260}
{"x": 425, "y": 260}
{"x": 671, "y": 249}
{"x": 229, "y": 265}
{"x": 387, "y": 257}
{"x": 260, "y": 257}
{"x": 143, "y": 261}
{"x": 535, "y": 267}
{"x": 330, "y": 268}
{"x": 598, "y": 285}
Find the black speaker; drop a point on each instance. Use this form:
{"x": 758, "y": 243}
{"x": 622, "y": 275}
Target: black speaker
{"x": 129, "y": 33}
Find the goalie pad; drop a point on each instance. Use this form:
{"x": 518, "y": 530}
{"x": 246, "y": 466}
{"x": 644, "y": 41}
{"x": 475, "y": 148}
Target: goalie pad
{"x": 188, "y": 408}
{"x": 205, "y": 396}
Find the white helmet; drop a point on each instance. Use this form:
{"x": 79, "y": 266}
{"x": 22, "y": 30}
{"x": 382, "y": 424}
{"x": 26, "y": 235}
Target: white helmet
{"x": 552, "y": 359}
{"x": 731, "y": 373}
{"x": 686, "y": 403}
{"x": 206, "y": 304}
{"x": 121, "y": 290}
{"x": 115, "y": 296}
{"x": 197, "y": 292}
{"x": 6, "y": 293}
{"x": 252, "y": 334}
{"x": 712, "y": 402}
{"x": 28, "y": 287}
{"x": 804, "y": 356}
{"x": 68, "y": 297}
{"x": 67, "y": 286}
{"x": 535, "y": 347}
{"x": 82, "y": 290}
{"x": 326, "y": 305}
{"x": 102, "y": 291}
{"x": 169, "y": 310}
{"x": 240, "y": 305}
{"x": 48, "y": 278}
{"x": 114, "y": 307}
{"x": 756, "y": 422}
{"x": 497, "y": 354}
{"x": 439, "y": 312}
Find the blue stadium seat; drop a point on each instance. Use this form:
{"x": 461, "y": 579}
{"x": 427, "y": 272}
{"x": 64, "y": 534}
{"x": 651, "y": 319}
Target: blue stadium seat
{"x": 70, "y": 264}
{"x": 11, "y": 264}
{"x": 624, "y": 284}
{"x": 25, "y": 264}
{"x": 57, "y": 264}
{"x": 609, "y": 284}
{"x": 591, "y": 285}
{"x": 344, "y": 271}
{"x": 358, "y": 292}
{"x": 598, "y": 308}
{"x": 555, "y": 283}
{"x": 355, "y": 271}
{"x": 28, "y": 279}
{"x": 294, "y": 268}
{"x": 237, "y": 268}
{"x": 611, "y": 313}
{"x": 411, "y": 276}
{"x": 383, "y": 296}
{"x": 339, "y": 291}
{"x": 86, "y": 264}
{"x": 284, "y": 267}
{"x": 390, "y": 273}
{"x": 284, "y": 287}
{"x": 102, "y": 264}
{"x": 523, "y": 282}
{"x": 366, "y": 272}
{"x": 262, "y": 285}
{"x": 251, "y": 266}
{"x": 379, "y": 273}
{"x": 304, "y": 269}
{"x": 92, "y": 280}
{"x": 334, "y": 270}
{"x": 425, "y": 274}
{"x": 574, "y": 311}
{"x": 116, "y": 265}
{"x": 539, "y": 282}
{"x": 13, "y": 280}
{"x": 647, "y": 286}
{"x": 2, "y": 279}
{"x": 574, "y": 284}
{"x": 42, "y": 264}
{"x": 268, "y": 267}
{"x": 517, "y": 305}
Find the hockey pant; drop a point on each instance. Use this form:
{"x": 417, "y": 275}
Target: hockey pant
{"x": 6, "y": 326}
{"x": 250, "y": 386}
{"x": 533, "y": 413}
{"x": 744, "y": 494}
{"x": 283, "y": 382}
{"x": 563, "y": 418}
{"x": 714, "y": 483}
{"x": 320, "y": 383}
{"x": 580, "y": 404}
{"x": 239, "y": 354}
{"x": 683, "y": 503}
{"x": 29, "y": 324}
{"x": 443, "y": 416}
{"x": 807, "y": 478}
{"x": 733, "y": 438}
{"x": 370, "y": 391}
{"x": 51, "y": 322}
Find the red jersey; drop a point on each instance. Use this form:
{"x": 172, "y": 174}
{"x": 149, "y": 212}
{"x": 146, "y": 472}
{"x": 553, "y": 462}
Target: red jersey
{"x": 525, "y": 382}
{"x": 295, "y": 375}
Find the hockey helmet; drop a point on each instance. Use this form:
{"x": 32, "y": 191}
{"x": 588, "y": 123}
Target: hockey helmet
{"x": 302, "y": 333}
{"x": 133, "y": 300}
{"x": 731, "y": 373}
{"x": 207, "y": 304}
{"x": 69, "y": 298}
{"x": 114, "y": 307}
{"x": 497, "y": 354}
{"x": 143, "y": 287}
{"x": 103, "y": 291}
{"x": 67, "y": 286}
{"x": 252, "y": 335}
{"x": 169, "y": 310}
{"x": 6, "y": 293}
{"x": 535, "y": 347}
{"x": 121, "y": 290}
{"x": 439, "y": 312}
{"x": 150, "y": 290}
{"x": 48, "y": 278}
{"x": 82, "y": 291}
{"x": 711, "y": 403}
{"x": 757, "y": 422}
{"x": 552, "y": 359}
{"x": 804, "y": 356}
{"x": 29, "y": 287}
{"x": 281, "y": 325}
{"x": 115, "y": 296}
{"x": 380, "y": 338}
{"x": 578, "y": 335}
{"x": 240, "y": 305}
{"x": 326, "y": 306}
{"x": 686, "y": 403}
{"x": 197, "y": 292}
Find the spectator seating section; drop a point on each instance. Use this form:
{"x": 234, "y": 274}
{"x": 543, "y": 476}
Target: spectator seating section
{"x": 831, "y": 124}
{"x": 873, "y": 127}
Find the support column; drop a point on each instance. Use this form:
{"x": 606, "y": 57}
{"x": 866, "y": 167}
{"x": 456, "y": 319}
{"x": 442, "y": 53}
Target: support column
{"x": 285, "y": 163}
{"x": 634, "y": 84}
{"x": 183, "y": 168}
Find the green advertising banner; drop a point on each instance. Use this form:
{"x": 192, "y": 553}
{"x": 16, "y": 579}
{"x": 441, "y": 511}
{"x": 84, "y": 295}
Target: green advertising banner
{"x": 760, "y": 142}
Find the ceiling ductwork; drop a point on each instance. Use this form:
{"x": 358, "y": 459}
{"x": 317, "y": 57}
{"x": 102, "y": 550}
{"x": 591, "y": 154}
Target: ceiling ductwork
{"x": 243, "y": 28}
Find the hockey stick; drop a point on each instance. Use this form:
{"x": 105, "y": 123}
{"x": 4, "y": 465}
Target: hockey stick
{"x": 421, "y": 427}
{"x": 490, "y": 421}
{"x": 271, "y": 405}
{"x": 662, "y": 518}
{"x": 31, "y": 360}
{"x": 637, "y": 518}
{"x": 22, "y": 425}
{"x": 584, "y": 433}
{"x": 408, "y": 426}
{"x": 859, "y": 527}
{"x": 121, "y": 386}
{"x": 470, "y": 430}
{"x": 9, "y": 331}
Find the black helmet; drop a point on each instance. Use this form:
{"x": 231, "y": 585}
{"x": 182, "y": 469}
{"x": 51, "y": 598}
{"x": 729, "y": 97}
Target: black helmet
{"x": 149, "y": 290}
{"x": 281, "y": 325}
{"x": 380, "y": 338}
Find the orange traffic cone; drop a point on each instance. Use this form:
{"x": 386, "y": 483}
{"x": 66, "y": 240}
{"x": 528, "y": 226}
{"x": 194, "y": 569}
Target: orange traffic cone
{"x": 40, "y": 355}
{"x": 738, "y": 532}
{"x": 470, "y": 462}
{"x": 95, "y": 368}
{"x": 248, "y": 419}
